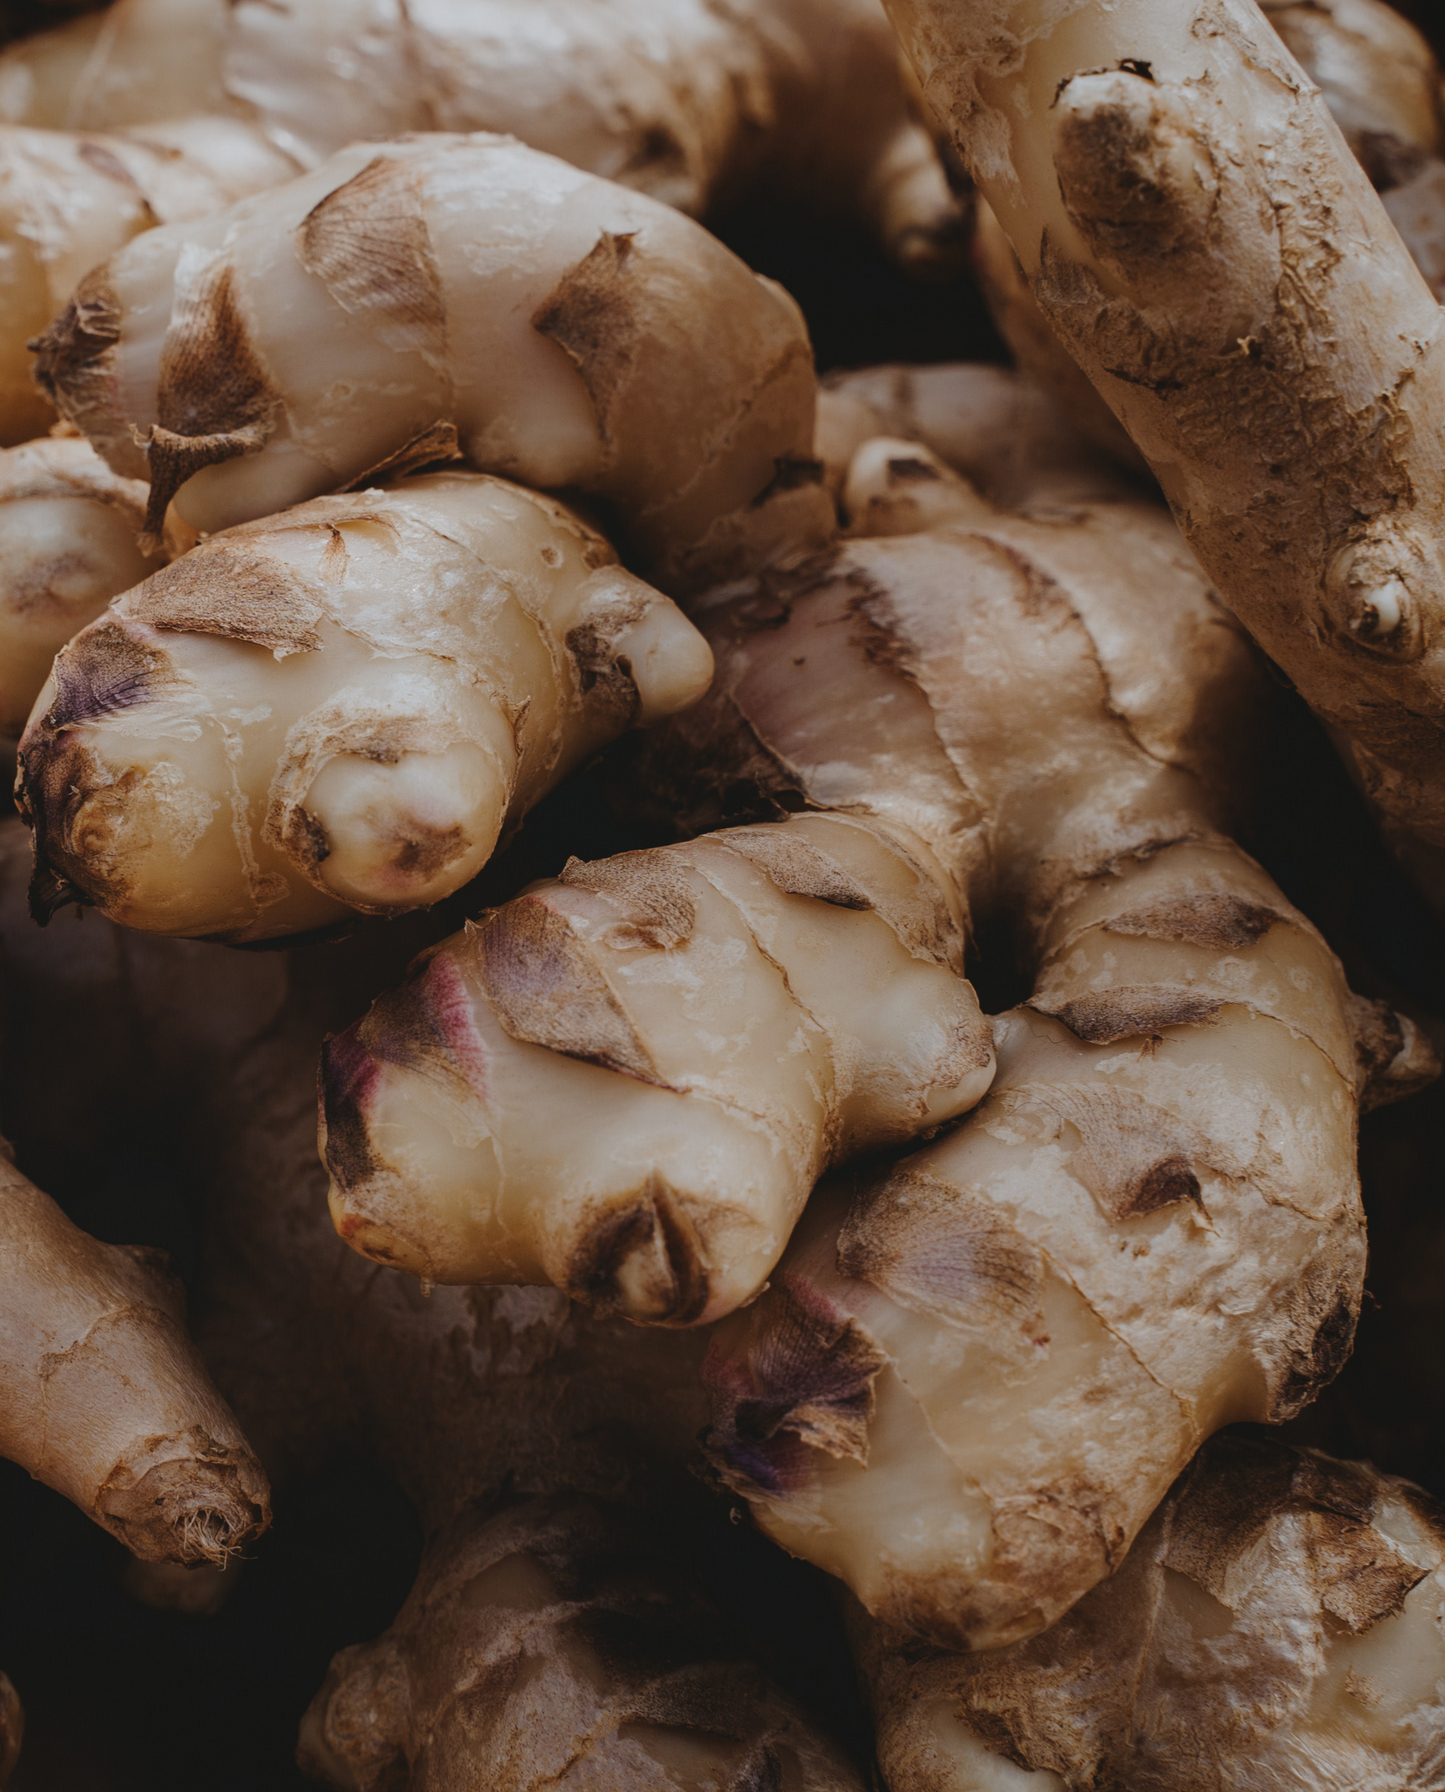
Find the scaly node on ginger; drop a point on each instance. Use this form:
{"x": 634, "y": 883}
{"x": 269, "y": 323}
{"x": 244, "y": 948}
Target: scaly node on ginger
{"x": 406, "y": 301}
{"x": 339, "y": 709}
{"x": 1277, "y": 1625}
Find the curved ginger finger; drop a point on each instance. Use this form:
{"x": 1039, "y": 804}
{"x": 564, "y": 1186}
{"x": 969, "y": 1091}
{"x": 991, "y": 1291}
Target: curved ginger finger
{"x": 339, "y": 709}
{"x": 105, "y": 1397}
{"x": 679, "y": 1018}
{"x": 551, "y": 326}
{"x": 68, "y": 200}
{"x": 1149, "y": 1229}
{"x": 1277, "y": 1624}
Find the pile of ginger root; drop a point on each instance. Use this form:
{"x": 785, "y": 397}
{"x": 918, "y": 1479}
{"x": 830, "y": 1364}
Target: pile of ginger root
{"x": 706, "y": 1063}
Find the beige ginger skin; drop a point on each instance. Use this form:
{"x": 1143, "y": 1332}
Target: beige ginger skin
{"x": 408, "y": 300}
{"x": 339, "y": 709}
{"x": 68, "y": 529}
{"x": 1277, "y": 1625}
{"x": 69, "y": 199}
{"x": 1194, "y": 227}
{"x": 106, "y": 1400}
{"x": 694, "y": 104}
{"x": 557, "y": 1635}
{"x": 968, "y": 1414}
{"x": 1018, "y": 741}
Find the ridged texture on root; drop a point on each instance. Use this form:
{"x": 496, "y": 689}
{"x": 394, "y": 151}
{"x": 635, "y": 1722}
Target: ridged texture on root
{"x": 1276, "y": 1625}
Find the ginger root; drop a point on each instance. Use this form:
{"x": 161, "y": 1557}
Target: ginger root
{"x": 585, "y": 1658}
{"x": 548, "y": 325}
{"x": 68, "y": 200}
{"x": 67, "y": 546}
{"x": 105, "y": 1397}
{"x": 556, "y": 1634}
{"x": 340, "y": 708}
{"x": 1195, "y": 229}
{"x": 1277, "y": 1625}
{"x": 694, "y": 104}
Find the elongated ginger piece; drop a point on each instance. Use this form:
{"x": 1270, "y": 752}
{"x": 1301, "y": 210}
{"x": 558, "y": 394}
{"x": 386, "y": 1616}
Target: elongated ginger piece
{"x": 552, "y": 327}
{"x": 105, "y": 1397}
{"x": 339, "y": 709}
{"x": 67, "y": 546}
{"x": 694, "y": 104}
{"x": 1277, "y": 1625}
{"x": 1195, "y": 229}
{"x": 68, "y": 200}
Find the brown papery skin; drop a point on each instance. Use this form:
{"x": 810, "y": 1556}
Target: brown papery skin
{"x": 1276, "y": 1626}
{"x": 1382, "y": 85}
{"x": 106, "y": 1400}
{"x": 550, "y": 326}
{"x": 1193, "y": 226}
{"x": 67, "y": 200}
{"x": 694, "y": 104}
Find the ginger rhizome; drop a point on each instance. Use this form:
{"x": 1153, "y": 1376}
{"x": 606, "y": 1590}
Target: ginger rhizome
{"x": 409, "y": 300}
{"x": 1382, "y": 84}
{"x": 1277, "y": 1625}
{"x": 68, "y": 200}
{"x": 106, "y": 1400}
{"x": 557, "y": 1634}
{"x": 339, "y": 708}
{"x": 1051, "y": 712}
{"x": 1194, "y": 227}
{"x": 68, "y": 529}
{"x": 697, "y": 105}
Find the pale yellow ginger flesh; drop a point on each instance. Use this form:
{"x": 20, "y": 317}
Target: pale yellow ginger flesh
{"x": 692, "y": 103}
{"x": 106, "y": 1400}
{"x": 68, "y": 200}
{"x": 1193, "y": 225}
{"x": 339, "y": 708}
{"x": 68, "y": 530}
{"x": 1277, "y": 1625}
{"x": 625, "y": 1082}
{"x": 409, "y": 300}
{"x": 555, "y": 1645}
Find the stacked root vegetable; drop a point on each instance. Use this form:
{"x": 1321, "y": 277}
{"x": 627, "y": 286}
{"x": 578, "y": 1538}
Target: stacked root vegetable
{"x": 797, "y": 1373}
